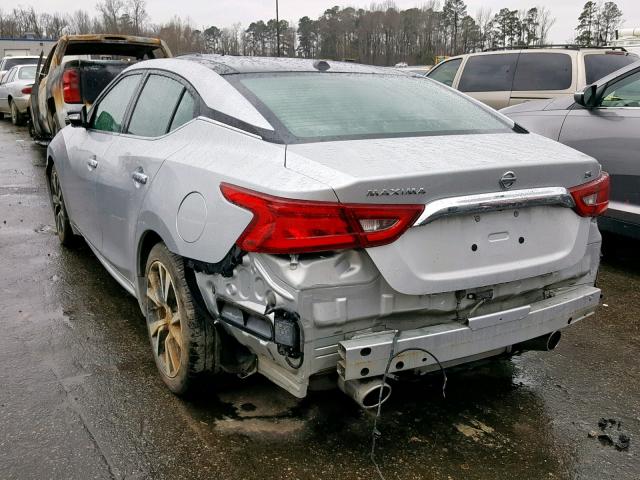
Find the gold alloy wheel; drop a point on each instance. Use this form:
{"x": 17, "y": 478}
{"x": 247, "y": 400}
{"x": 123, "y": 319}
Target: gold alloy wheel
{"x": 57, "y": 201}
{"x": 163, "y": 319}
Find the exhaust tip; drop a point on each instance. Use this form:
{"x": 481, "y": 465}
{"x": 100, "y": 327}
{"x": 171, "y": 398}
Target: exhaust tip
{"x": 366, "y": 392}
{"x": 544, "y": 343}
{"x": 553, "y": 340}
{"x": 372, "y": 399}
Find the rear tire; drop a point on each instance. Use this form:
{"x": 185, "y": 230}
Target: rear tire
{"x": 63, "y": 224}
{"x": 181, "y": 333}
{"x": 16, "y": 116}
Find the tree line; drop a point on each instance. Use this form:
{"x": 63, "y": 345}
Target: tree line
{"x": 381, "y": 34}
{"x": 598, "y": 23}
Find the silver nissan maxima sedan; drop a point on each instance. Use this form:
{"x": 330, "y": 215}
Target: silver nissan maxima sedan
{"x": 312, "y": 220}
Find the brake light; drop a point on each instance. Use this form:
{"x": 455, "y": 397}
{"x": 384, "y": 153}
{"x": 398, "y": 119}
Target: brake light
{"x": 592, "y": 199}
{"x": 283, "y": 225}
{"x": 71, "y": 86}
{"x": 26, "y": 90}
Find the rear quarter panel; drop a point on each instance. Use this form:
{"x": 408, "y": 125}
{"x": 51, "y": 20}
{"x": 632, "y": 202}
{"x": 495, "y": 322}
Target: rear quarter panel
{"x": 216, "y": 154}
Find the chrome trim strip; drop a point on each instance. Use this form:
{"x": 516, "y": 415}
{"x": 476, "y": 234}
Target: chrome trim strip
{"x": 490, "y": 202}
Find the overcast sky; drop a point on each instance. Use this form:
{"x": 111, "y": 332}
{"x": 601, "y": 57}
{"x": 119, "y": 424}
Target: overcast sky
{"x": 204, "y": 13}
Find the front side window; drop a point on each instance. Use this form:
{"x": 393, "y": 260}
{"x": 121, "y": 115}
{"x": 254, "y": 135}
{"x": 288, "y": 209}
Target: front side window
{"x": 543, "y": 71}
{"x": 446, "y": 72}
{"x": 110, "y": 112}
{"x": 155, "y": 106}
{"x": 598, "y": 66}
{"x": 624, "y": 93}
{"x": 334, "y": 106}
{"x": 489, "y": 73}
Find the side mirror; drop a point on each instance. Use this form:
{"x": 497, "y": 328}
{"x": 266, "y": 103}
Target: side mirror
{"x": 587, "y": 97}
{"x": 78, "y": 119}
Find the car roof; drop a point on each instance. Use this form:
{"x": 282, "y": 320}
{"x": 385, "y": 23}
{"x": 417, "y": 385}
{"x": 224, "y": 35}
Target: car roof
{"x": 568, "y": 49}
{"x": 19, "y": 56}
{"x": 229, "y": 64}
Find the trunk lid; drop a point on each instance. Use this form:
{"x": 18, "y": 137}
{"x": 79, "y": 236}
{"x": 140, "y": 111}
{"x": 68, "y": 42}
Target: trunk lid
{"x": 463, "y": 251}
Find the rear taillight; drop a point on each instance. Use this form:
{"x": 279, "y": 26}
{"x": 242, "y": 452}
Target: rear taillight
{"x": 283, "y": 225}
{"x": 592, "y": 199}
{"x": 71, "y": 86}
{"x": 26, "y": 90}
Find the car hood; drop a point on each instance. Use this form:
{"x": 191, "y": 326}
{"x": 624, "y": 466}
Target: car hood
{"x": 443, "y": 166}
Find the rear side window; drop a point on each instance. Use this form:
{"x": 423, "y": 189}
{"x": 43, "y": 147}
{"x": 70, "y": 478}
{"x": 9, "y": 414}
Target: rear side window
{"x": 489, "y": 73}
{"x": 155, "y": 106}
{"x": 27, "y": 73}
{"x": 184, "y": 112}
{"x": 543, "y": 71}
{"x": 111, "y": 109}
{"x": 446, "y": 72}
{"x": 601, "y": 65}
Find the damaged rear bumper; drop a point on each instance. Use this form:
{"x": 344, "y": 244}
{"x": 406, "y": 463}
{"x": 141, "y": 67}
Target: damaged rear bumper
{"x": 367, "y": 356}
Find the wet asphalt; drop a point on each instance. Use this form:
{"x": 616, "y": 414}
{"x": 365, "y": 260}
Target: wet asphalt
{"x": 80, "y": 397}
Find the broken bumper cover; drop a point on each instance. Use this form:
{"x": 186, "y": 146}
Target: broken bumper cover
{"x": 368, "y": 355}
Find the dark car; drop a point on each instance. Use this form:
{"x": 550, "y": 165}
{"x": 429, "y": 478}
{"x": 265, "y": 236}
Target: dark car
{"x": 603, "y": 121}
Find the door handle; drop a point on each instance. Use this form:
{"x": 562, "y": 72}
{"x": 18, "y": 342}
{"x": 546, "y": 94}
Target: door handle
{"x": 92, "y": 163}
{"x": 139, "y": 177}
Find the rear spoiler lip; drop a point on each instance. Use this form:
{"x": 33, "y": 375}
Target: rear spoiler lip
{"x": 491, "y": 202}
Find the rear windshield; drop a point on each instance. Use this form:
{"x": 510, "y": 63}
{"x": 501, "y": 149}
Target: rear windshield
{"x": 12, "y": 62}
{"x": 27, "y": 73}
{"x": 333, "y": 106}
{"x": 598, "y": 66}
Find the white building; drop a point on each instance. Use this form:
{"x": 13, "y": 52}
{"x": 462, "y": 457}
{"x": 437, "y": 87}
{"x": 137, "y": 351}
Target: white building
{"x": 11, "y": 47}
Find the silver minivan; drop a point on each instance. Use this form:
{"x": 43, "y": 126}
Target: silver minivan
{"x": 508, "y": 77}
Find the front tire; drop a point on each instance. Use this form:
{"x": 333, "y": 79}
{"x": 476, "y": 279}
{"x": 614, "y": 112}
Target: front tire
{"x": 63, "y": 225}
{"x": 181, "y": 334}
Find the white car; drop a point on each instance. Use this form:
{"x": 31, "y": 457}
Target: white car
{"x": 15, "y": 91}
{"x": 7, "y": 62}
{"x": 300, "y": 218}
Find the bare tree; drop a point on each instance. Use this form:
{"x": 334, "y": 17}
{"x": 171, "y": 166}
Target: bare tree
{"x": 111, "y": 11}
{"x": 80, "y": 22}
{"x": 545, "y": 22}
{"x": 137, "y": 10}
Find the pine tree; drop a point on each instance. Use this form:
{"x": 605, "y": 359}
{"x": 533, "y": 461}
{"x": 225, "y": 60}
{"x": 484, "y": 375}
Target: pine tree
{"x": 610, "y": 20}
{"x": 587, "y": 30}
